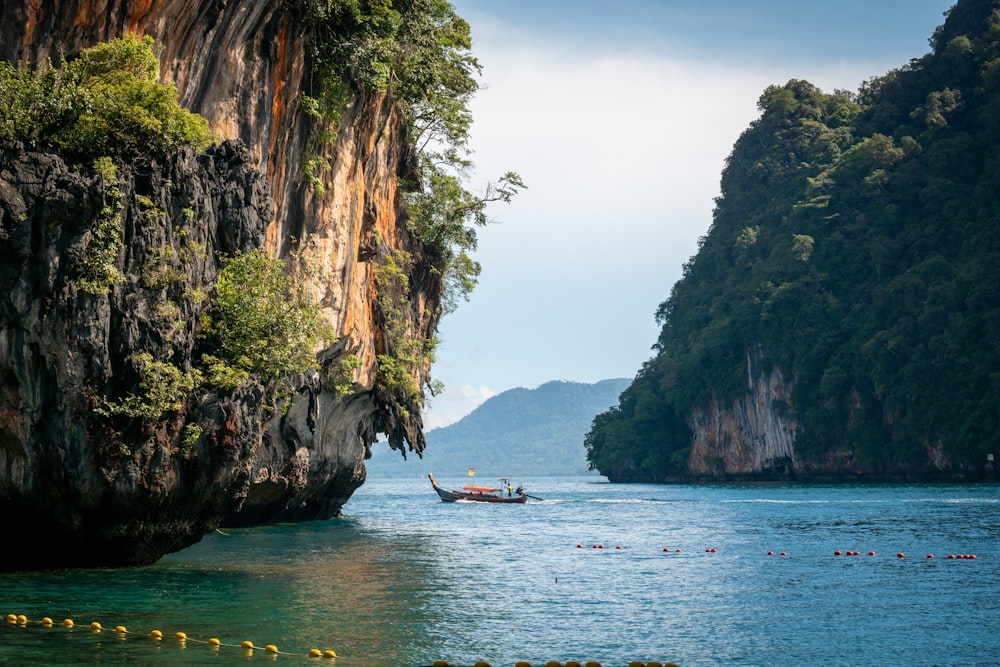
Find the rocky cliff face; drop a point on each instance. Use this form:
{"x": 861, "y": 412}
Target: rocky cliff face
{"x": 242, "y": 64}
{"x": 751, "y": 439}
{"x": 84, "y": 490}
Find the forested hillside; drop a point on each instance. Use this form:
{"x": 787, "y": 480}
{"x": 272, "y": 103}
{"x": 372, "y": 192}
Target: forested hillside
{"x": 852, "y": 266}
{"x": 518, "y": 432}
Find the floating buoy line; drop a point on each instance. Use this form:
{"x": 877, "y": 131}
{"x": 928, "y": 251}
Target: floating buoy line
{"x": 181, "y": 638}
{"x": 838, "y": 552}
{"x": 213, "y": 643}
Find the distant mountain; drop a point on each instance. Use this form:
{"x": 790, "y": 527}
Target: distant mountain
{"x": 521, "y": 432}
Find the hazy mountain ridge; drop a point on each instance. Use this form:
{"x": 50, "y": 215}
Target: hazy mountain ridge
{"x": 520, "y": 432}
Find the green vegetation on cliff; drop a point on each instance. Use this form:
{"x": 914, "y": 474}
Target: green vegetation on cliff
{"x": 105, "y": 102}
{"x": 855, "y": 248}
{"x": 417, "y": 53}
{"x": 106, "y": 106}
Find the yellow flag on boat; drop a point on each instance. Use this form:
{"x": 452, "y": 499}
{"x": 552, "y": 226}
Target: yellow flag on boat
{"x": 472, "y": 471}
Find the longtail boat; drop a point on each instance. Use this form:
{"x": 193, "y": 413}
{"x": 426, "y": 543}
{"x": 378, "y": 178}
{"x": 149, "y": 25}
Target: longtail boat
{"x": 480, "y": 494}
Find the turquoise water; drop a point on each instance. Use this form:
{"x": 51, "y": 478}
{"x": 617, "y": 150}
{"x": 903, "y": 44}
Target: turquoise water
{"x": 404, "y": 579}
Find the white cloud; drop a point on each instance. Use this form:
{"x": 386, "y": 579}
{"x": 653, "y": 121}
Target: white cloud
{"x": 451, "y": 405}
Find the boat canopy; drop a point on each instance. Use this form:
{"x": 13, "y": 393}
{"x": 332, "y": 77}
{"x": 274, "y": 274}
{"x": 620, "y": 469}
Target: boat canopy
{"x": 484, "y": 489}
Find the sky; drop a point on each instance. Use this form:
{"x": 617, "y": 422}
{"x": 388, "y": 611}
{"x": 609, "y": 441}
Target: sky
{"x": 619, "y": 115}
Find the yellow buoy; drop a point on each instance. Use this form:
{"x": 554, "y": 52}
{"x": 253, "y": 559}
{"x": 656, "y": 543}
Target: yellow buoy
{"x": 180, "y": 636}
{"x": 573, "y": 663}
{"x": 96, "y": 627}
{"x": 482, "y": 663}
{"x": 12, "y": 618}
{"x": 214, "y": 643}
{"x": 120, "y": 629}
{"x": 68, "y": 622}
{"x": 315, "y": 653}
{"x": 329, "y": 653}
{"x": 156, "y": 634}
{"x": 440, "y": 663}
{"x": 247, "y": 644}
{"x": 591, "y": 663}
{"x": 654, "y": 663}
{"x": 553, "y": 663}
{"x": 271, "y": 648}
{"x": 522, "y": 663}
{"x": 47, "y": 622}
{"x": 22, "y": 619}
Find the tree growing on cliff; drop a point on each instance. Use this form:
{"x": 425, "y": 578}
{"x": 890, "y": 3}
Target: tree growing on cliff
{"x": 419, "y": 52}
{"x": 107, "y": 102}
{"x": 265, "y": 322}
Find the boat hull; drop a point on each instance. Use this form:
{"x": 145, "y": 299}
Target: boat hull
{"x": 477, "y": 497}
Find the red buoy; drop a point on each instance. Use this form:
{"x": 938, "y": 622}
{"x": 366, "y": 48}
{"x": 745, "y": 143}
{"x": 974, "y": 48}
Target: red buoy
{"x": 837, "y": 552}
{"x": 871, "y": 553}
{"x": 930, "y": 555}
{"x": 900, "y": 555}
{"x": 770, "y": 553}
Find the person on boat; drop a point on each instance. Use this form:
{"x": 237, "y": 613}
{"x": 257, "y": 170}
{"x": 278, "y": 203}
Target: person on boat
{"x": 510, "y": 490}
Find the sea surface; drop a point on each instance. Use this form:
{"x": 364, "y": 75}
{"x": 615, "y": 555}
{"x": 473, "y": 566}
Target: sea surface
{"x": 614, "y": 573}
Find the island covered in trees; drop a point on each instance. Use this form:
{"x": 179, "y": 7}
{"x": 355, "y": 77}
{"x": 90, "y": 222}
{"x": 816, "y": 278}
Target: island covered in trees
{"x": 841, "y": 318}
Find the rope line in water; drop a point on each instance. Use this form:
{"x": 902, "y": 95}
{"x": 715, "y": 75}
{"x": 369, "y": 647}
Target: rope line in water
{"x": 213, "y": 643}
{"x": 181, "y": 637}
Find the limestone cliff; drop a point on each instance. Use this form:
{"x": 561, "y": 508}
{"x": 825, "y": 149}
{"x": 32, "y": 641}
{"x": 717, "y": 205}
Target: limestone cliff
{"x": 243, "y": 65}
{"x": 753, "y": 438}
